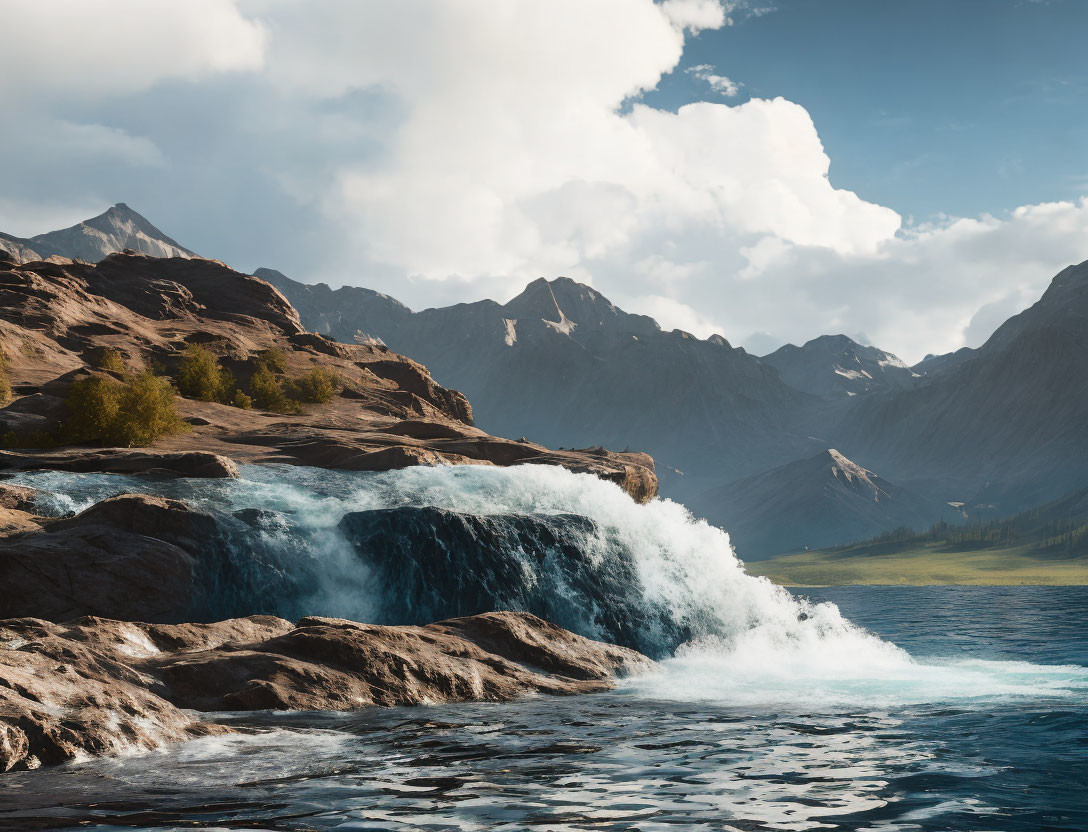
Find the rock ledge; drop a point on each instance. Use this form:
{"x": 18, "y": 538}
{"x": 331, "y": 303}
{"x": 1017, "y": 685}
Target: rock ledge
{"x": 100, "y": 686}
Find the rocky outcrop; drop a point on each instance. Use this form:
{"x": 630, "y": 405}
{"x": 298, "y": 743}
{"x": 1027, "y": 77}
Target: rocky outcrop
{"x": 130, "y": 556}
{"x": 57, "y": 319}
{"x": 98, "y": 686}
{"x": 433, "y": 563}
{"x": 123, "y": 461}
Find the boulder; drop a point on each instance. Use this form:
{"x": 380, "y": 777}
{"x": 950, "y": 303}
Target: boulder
{"x": 131, "y": 556}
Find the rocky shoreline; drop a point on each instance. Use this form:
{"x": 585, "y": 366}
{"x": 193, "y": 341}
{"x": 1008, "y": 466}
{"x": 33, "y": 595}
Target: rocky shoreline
{"x": 100, "y": 686}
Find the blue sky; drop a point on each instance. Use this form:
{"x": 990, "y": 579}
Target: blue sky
{"x": 906, "y": 173}
{"x": 929, "y": 106}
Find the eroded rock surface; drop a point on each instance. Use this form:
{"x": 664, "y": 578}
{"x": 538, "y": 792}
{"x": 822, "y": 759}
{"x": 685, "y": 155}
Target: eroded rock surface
{"x": 99, "y": 686}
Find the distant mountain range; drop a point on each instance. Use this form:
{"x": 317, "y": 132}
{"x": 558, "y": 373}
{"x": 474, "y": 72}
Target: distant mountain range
{"x": 1004, "y": 426}
{"x": 1044, "y": 545}
{"x": 744, "y": 440}
{"x": 561, "y": 363}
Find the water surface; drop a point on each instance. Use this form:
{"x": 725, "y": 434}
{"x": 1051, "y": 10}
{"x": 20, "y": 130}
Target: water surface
{"x": 866, "y": 708}
{"x": 983, "y": 760}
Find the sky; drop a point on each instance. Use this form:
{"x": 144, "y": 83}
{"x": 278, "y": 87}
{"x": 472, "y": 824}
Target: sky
{"x": 907, "y": 173}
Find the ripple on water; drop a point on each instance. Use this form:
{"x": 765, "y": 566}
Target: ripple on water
{"x": 606, "y": 762}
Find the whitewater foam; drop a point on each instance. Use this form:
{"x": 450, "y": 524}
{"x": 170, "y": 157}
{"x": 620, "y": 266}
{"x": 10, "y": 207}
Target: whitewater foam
{"x": 751, "y": 640}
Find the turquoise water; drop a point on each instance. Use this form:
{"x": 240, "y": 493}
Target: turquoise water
{"x": 863, "y": 708}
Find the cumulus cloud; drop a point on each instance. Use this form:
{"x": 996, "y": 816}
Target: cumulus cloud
{"x": 694, "y": 15}
{"x": 444, "y": 151}
{"x": 70, "y": 48}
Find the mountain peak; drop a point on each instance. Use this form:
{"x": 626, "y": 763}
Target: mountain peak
{"x": 537, "y": 300}
{"x": 840, "y": 465}
{"x": 567, "y": 302}
{"x": 837, "y": 365}
{"x": 1063, "y": 306}
{"x": 114, "y": 230}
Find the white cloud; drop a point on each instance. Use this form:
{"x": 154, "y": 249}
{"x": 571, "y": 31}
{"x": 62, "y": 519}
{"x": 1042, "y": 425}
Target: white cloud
{"x": 933, "y": 289}
{"x": 78, "y": 47}
{"x": 673, "y": 314}
{"x": 695, "y": 15}
{"x": 446, "y": 150}
{"x": 513, "y": 156}
{"x": 721, "y": 84}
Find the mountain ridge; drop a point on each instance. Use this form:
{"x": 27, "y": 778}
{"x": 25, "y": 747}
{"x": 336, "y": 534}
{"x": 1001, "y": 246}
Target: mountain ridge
{"x": 836, "y": 366}
{"x": 560, "y": 362}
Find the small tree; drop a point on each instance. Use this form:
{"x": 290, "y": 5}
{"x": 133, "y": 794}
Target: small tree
{"x": 267, "y": 392}
{"x": 201, "y": 377}
{"x": 145, "y": 411}
{"x": 274, "y": 359}
{"x": 111, "y": 361}
{"x": 136, "y": 411}
{"x": 92, "y": 409}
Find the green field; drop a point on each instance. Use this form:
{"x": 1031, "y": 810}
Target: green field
{"x": 922, "y": 565}
{"x": 1046, "y": 545}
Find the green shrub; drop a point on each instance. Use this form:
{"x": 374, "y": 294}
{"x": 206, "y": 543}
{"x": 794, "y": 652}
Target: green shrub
{"x": 271, "y": 391}
{"x": 93, "y": 404}
{"x": 5, "y": 381}
{"x": 241, "y": 400}
{"x": 267, "y": 392}
{"x": 33, "y": 439}
{"x": 201, "y": 377}
{"x": 145, "y": 411}
{"x": 317, "y": 386}
{"x": 136, "y": 411}
{"x": 111, "y": 361}
{"x": 274, "y": 359}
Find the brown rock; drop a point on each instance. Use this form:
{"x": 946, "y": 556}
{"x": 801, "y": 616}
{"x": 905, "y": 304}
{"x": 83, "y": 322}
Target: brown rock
{"x": 123, "y": 461}
{"x": 99, "y": 686}
{"x": 17, "y": 497}
{"x": 112, "y": 559}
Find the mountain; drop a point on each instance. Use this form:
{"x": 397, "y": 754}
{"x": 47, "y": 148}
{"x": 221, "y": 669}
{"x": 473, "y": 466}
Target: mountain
{"x": 116, "y": 230}
{"x": 933, "y": 364}
{"x": 836, "y": 366}
{"x": 1004, "y": 429}
{"x": 811, "y": 503}
{"x": 563, "y": 365}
